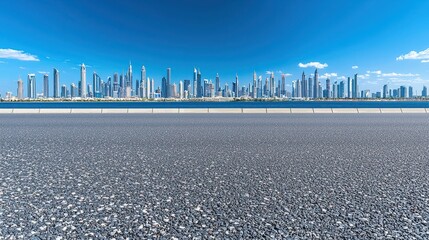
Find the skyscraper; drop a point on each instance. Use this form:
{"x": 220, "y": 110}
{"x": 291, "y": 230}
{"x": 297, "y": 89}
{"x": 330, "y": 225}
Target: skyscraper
{"x": 149, "y": 88}
{"x": 73, "y": 90}
{"x": 130, "y": 79}
{"x": 45, "y": 86}
{"x": 254, "y": 92}
{"x": 194, "y": 84}
{"x": 31, "y": 86}
{"x": 168, "y": 94}
{"x": 143, "y": 82}
{"x": 83, "y": 81}
{"x": 56, "y": 83}
{"x": 272, "y": 85}
{"x": 425, "y": 91}
{"x": 283, "y": 88}
{"x": 410, "y": 92}
{"x": 64, "y": 91}
{"x": 385, "y": 91}
{"x": 316, "y": 85}
{"x": 181, "y": 91}
{"x": 199, "y": 85}
{"x": 328, "y": 88}
{"x": 354, "y": 87}
{"x": 217, "y": 87}
{"x": 164, "y": 87}
{"x": 20, "y": 90}
{"x": 303, "y": 85}
{"x": 237, "y": 86}
{"x": 349, "y": 87}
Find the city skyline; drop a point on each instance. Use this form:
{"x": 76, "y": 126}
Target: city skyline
{"x": 371, "y": 40}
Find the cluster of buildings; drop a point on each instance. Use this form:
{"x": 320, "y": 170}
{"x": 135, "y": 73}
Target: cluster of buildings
{"x": 123, "y": 86}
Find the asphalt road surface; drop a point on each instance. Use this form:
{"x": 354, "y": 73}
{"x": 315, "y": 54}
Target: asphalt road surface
{"x": 216, "y": 176}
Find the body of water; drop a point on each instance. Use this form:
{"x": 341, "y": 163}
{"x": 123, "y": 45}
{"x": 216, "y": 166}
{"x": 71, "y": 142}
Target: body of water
{"x": 283, "y": 104}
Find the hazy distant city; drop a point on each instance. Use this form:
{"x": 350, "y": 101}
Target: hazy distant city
{"x": 125, "y": 86}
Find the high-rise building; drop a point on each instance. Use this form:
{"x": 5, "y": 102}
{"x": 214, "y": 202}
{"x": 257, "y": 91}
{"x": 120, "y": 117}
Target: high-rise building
{"x": 149, "y": 88}
{"x": 425, "y": 91}
{"x": 316, "y": 85}
{"x": 254, "y": 88}
{"x": 385, "y": 91}
{"x": 272, "y": 85}
{"x": 199, "y": 85}
{"x": 20, "y": 90}
{"x": 83, "y": 81}
{"x": 217, "y": 87}
{"x": 402, "y": 92}
{"x": 303, "y": 85}
{"x": 164, "y": 87}
{"x": 237, "y": 87}
{"x": 181, "y": 91}
{"x": 410, "y": 92}
{"x": 328, "y": 88}
{"x": 355, "y": 87}
{"x": 73, "y": 90}
{"x": 130, "y": 79}
{"x": 56, "y": 83}
{"x": 310, "y": 88}
{"x": 349, "y": 88}
{"x": 194, "y": 84}
{"x": 31, "y": 86}
{"x": 341, "y": 90}
{"x": 187, "y": 86}
{"x": 64, "y": 91}
{"x": 168, "y": 94}
{"x": 283, "y": 88}
{"x": 143, "y": 84}
{"x": 45, "y": 86}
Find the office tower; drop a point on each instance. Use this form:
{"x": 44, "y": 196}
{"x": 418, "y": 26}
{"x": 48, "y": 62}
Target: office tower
{"x": 108, "y": 90}
{"x": 83, "y": 81}
{"x": 152, "y": 88}
{"x": 334, "y": 90}
{"x": 237, "y": 87}
{"x": 217, "y": 87}
{"x": 73, "y": 90}
{"x": 298, "y": 88}
{"x": 341, "y": 90}
{"x": 181, "y": 91}
{"x": 328, "y": 88}
{"x": 194, "y": 84}
{"x": 137, "y": 88}
{"x": 31, "y": 86}
{"x": 320, "y": 91}
{"x": 349, "y": 87}
{"x": 173, "y": 90}
{"x": 354, "y": 87}
{"x": 255, "y": 87}
{"x": 385, "y": 91}
{"x": 168, "y": 94}
{"x": 410, "y": 92}
{"x": 143, "y": 82}
{"x": 115, "y": 89}
{"x": 199, "y": 85}
{"x": 303, "y": 85}
{"x": 272, "y": 85}
{"x": 205, "y": 88}
{"x": 266, "y": 88}
{"x": 164, "y": 87}
{"x": 56, "y": 83}
{"x": 293, "y": 89}
{"x": 316, "y": 85}
{"x": 310, "y": 88}
{"x": 20, "y": 90}
{"x": 283, "y": 88}
{"x": 64, "y": 91}
{"x": 45, "y": 86}
{"x": 424, "y": 91}
{"x": 402, "y": 92}
{"x": 187, "y": 86}
{"x": 226, "y": 91}
{"x": 259, "y": 86}
{"x": 130, "y": 80}
{"x": 149, "y": 88}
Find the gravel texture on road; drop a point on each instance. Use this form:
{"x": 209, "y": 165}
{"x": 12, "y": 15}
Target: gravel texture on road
{"x": 220, "y": 176}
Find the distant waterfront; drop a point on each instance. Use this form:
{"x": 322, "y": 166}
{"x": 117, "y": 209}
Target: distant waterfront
{"x": 217, "y": 104}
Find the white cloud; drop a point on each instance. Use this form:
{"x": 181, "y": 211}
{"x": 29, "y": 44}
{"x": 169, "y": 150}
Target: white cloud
{"x": 313, "y": 64}
{"x": 341, "y": 78}
{"x": 21, "y": 67}
{"x": 269, "y": 72}
{"x": 393, "y": 74}
{"x": 413, "y": 55}
{"x": 329, "y": 75}
{"x": 355, "y": 67}
{"x": 42, "y": 72}
{"x": 378, "y": 72}
{"x": 425, "y": 61}
{"x": 286, "y": 74}
{"x": 17, "y": 54}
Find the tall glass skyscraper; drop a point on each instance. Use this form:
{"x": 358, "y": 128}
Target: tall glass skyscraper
{"x": 56, "y": 83}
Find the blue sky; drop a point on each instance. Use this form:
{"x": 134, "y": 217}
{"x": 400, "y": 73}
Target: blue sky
{"x": 227, "y": 37}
